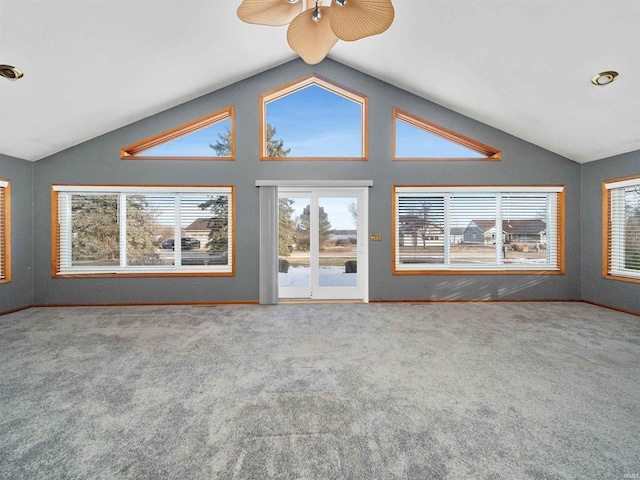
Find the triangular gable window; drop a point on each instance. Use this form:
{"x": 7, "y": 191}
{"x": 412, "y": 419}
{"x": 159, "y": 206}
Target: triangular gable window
{"x": 207, "y": 138}
{"x": 417, "y": 139}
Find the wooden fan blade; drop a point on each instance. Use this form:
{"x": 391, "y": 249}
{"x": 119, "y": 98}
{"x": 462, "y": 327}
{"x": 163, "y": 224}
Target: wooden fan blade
{"x": 361, "y": 18}
{"x": 268, "y": 12}
{"x": 312, "y": 40}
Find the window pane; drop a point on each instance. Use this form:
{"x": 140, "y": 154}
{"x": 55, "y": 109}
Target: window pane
{"x": 150, "y": 223}
{"x": 456, "y": 230}
{"x": 209, "y": 137}
{"x": 204, "y": 222}
{"x": 153, "y": 230}
{"x": 632, "y": 229}
{"x": 294, "y": 236}
{"x": 314, "y": 122}
{"x": 414, "y": 142}
{"x": 415, "y": 138}
{"x": 212, "y": 141}
{"x": 524, "y": 226}
{"x": 625, "y": 231}
{"x": 476, "y": 215}
{"x": 338, "y": 241}
{"x": 95, "y": 232}
{"x": 421, "y": 229}
{"x": 623, "y": 242}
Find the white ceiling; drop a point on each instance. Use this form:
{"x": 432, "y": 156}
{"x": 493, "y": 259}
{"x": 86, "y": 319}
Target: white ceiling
{"x": 523, "y": 66}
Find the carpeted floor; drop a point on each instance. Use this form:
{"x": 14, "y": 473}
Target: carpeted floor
{"x": 343, "y": 391}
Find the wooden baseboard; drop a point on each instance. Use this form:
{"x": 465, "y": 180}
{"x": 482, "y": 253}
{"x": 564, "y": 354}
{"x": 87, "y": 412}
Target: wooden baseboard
{"x": 139, "y": 304}
{"x": 255, "y": 302}
{"x": 7, "y": 312}
{"x": 630, "y": 312}
{"x": 151, "y": 304}
{"x": 469, "y": 300}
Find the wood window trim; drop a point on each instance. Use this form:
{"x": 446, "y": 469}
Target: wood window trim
{"x": 301, "y": 83}
{"x": 560, "y": 218}
{"x": 607, "y": 228}
{"x": 133, "y": 152}
{"x": 55, "y": 237}
{"x": 488, "y": 153}
{"x": 5, "y": 231}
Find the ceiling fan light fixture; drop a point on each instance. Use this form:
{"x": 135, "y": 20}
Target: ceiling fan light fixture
{"x": 348, "y": 20}
{"x": 604, "y": 78}
{"x": 310, "y": 38}
{"x": 10, "y": 72}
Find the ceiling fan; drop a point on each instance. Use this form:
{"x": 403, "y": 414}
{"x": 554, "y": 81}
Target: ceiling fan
{"x": 315, "y": 28}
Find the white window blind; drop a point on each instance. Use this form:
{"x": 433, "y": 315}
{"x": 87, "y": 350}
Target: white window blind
{"x": 4, "y": 230}
{"x": 144, "y": 230}
{"x": 477, "y": 229}
{"x": 623, "y": 228}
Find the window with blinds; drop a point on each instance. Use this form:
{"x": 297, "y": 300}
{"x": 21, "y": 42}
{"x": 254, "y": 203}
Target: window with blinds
{"x": 132, "y": 230}
{"x": 478, "y": 229}
{"x": 5, "y": 235}
{"x": 621, "y": 229}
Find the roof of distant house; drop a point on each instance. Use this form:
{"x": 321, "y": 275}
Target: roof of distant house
{"x": 524, "y": 226}
{"x": 199, "y": 224}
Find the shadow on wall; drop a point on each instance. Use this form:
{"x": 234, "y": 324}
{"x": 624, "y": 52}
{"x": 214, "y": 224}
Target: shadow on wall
{"x": 469, "y": 289}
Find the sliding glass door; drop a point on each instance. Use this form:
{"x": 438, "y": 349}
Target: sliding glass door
{"x": 323, "y": 243}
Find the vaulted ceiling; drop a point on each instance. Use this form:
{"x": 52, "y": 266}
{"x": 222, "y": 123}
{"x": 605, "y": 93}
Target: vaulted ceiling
{"x": 522, "y": 66}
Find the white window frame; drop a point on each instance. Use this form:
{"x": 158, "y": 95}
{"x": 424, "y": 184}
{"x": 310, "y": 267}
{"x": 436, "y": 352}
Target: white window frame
{"x": 613, "y": 229}
{"x": 5, "y": 231}
{"x": 62, "y": 228}
{"x": 555, "y": 230}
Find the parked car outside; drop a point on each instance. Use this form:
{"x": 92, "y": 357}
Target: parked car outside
{"x": 187, "y": 243}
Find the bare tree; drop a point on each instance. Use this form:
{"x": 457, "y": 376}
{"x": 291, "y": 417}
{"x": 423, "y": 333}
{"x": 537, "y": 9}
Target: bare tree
{"x": 423, "y": 218}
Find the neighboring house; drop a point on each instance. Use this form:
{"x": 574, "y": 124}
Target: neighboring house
{"x": 199, "y": 229}
{"x": 513, "y": 231}
{"x": 414, "y": 232}
{"x": 480, "y": 231}
{"x": 525, "y": 231}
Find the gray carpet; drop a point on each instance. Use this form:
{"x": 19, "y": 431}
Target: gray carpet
{"x": 389, "y": 391}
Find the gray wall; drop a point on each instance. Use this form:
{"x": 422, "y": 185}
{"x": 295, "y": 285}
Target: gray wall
{"x": 614, "y": 293}
{"x": 97, "y": 161}
{"x": 19, "y": 292}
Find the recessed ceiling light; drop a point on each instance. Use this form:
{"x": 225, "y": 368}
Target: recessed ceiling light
{"x": 10, "y": 72}
{"x": 604, "y": 78}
